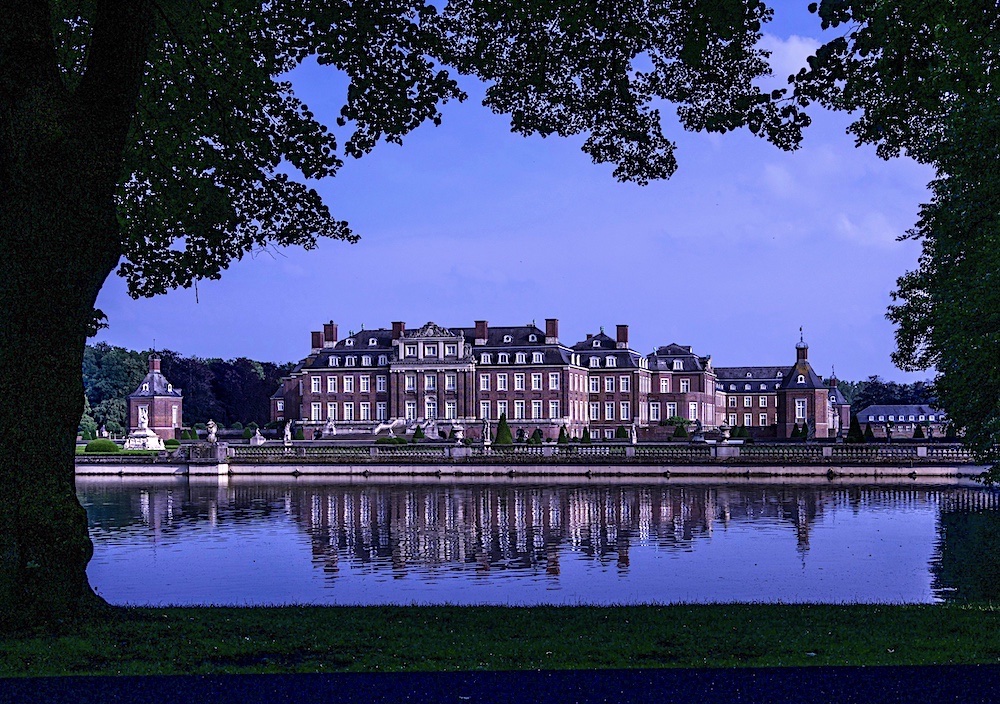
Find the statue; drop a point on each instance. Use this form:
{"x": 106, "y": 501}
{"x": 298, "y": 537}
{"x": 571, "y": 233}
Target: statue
{"x": 329, "y": 430}
{"x": 486, "y": 431}
{"x": 633, "y": 435}
{"x": 288, "y": 433}
{"x": 143, "y": 416}
{"x": 257, "y": 439}
{"x": 212, "y": 429}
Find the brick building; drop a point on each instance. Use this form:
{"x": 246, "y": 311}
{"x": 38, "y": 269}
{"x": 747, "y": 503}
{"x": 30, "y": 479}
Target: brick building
{"x": 156, "y": 404}
{"x": 457, "y": 377}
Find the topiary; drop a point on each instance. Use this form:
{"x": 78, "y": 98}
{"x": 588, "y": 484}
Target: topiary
{"x": 247, "y": 433}
{"x": 102, "y": 445}
{"x": 504, "y": 436}
{"x": 171, "y": 444}
{"x": 252, "y": 425}
{"x": 585, "y": 438}
{"x": 537, "y": 436}
{"x": 680, "y": 432}
{"x": 418, "y": 434}
{"x": 854, "y": 432}
{"x": 869, "y": 435}
{"x": 621, "y": 433}
{"x": 918, "y": 433}
{"x": 236, "y": 426}
{"x": 563, "y": 438}
{"x": 300, "y": 433}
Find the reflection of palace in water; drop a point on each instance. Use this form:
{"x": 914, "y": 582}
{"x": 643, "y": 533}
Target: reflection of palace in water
{"x": 496, "y": 526}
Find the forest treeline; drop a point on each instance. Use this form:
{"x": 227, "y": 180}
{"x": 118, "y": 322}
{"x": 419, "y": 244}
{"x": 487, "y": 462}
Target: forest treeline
{"x": 876, "y": 391}
{"x": 227, "y": 391}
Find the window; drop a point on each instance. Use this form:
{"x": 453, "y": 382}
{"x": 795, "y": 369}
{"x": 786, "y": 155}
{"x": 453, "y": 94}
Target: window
{"x": 553, "y": 409}
{"x": 410, "y": 350}
{"x": 503, "y": 358}
{"x": 532, "y": 338}
{"x": 664, "y": 386}
{"x": 747, "y": 401}
{"x": 331, "y": 384}
{"x": 411, "y": 382}
{"x": 519, "y": 382}
{"x": 279, "y": 405}
{"x": 372, "y": 342}
{"x": 536, "y": 382}
{"x": 685, "y": 386}
{"x": 692, "y": 411}
{"x": 430, "y": 350}
{"x": 931, "y": 417}
{"x": 678, "y": 365}
{"x": 365, "y": 383}
{"x": 350, "y": 361}
{"x": 484, "y": 382}
{"x": 334, "y": 361}
{"x": 365, "y": 411}
{"x": 349, "y": 342}
{"x": 536, "y": 357}
{"x": 748, "y": 419}
{"x": 484, "y": 409}
{"x": 486, "y": 359}
{"x": 625, "y": 410}
{"x": 763, "y": 419}
{"x": 671, "y": 410}
{"x": 411, "y": 410}
{"x": 763, "y": 387}
{"x": 597, "y": 343}
{"x": 881, "y": 417}
{"x": 762, "y": 401}
{"x": 380, "y": 382}
{"x": 891, "y": 418}
{"x": 430, "y": 382}
{"x": 519, "y": 410}
{"x": 348, "y": 411}
{"x": 317, "y": 411}
{"x": 609, "y": 410}
{"x": 315, "y": 384}
{"x": 451, "y": 350}
{"x": 801, "y": 379}
{"x": 366, "y": 360}
{"x": 145, "y": 387}
{"x": 431, "y": 408}
{"x": 331, "y": 411}
{"x": 451, "y": 382}
{"x": 732, "y": 387}
{"x": 449, "y": 410}
{"x": 595, "y": 384}
{"x": 595, "y": 411}
{"x": 383, "y": 360}
{"x": 624, "y": 384}
{"x": 501, "y": 382}
{"x": 910, "y": 419}
{"x": 654, "y": 410}
{"x": 521, "y": 357}
{"x": 501, "y": 408}
{"x": 553, "y": 381}
{"x": 609, "y": 384}
{"x": 746, "y": 387}
{"x": 609, "y": 434}
{"x": 610, "y": 361}
{"x": 595, "y": 362}
{"x": 921, "y": 417}
{"x": 800, "y": 408}
{"x": 348, "y": 384}
{"x": 536, "y": 409}
{"x": 508, "y": 338}
{"x": 732, "y": 419}
{"x": 381, "y": 411}
{"x": 732, "y": 402}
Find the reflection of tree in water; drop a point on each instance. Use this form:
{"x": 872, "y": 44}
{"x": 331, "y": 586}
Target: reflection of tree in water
{"x": 966, "y": 563}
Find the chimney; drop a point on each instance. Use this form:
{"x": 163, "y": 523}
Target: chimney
{"x": 398, "y": 328}
{"x": 551, "y": 331}
{"x": 482, "y": 332}
{"x": 154, "y": 363}
{"x": 329, "y": 334}
{"x": 589, "y": 335}
{"x": 622, "y": 337}
{"x": 317, "y": 341}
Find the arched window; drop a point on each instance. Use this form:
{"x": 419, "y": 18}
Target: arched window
{"x": 372, "y": 342}
{"x": 532, "y": 338}
{"x": 597, "y": 343}
{"x": 610, "y": 361}
{"x": 802, "y": 379}
{"x": 508, "y": 338}
{"x": 349, "y": 342}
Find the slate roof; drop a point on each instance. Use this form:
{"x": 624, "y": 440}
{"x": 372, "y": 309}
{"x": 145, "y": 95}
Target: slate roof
{"x": 810, "y": 380}
{"x": 771, "y": 373}
{"x": 519, "y": 335}
{"x": 156, "y": 385}
{"x": 663, "y": 359}
{"x": 896, "y": 410}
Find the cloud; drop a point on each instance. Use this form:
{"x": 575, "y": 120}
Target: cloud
{"x": 787, "y": 55}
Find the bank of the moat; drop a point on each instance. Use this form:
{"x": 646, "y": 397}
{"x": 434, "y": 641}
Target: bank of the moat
{"x": 804, "y": 459}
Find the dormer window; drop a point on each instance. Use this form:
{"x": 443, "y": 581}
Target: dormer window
{"x": 597, "y": 343}
{"x": 508, "y": 338}
{"x": 170, "y": 388}
{"x": 778, "y": 375}
{"x": 610, "y": 361}
{"x": 410, "y": 350}
{"x": 678, "y": 365}
{"x": 383, "y": 360}
{"x": 536, "y": 358}
{"x": 366, "y": 361}
{"x": 372, "y": 342}
{"x": 732, "y": 387}
{"x": 802, "y": 379}
{"x": 334, "y": 361}
{"x": 486, "y": 359}
{"x": 532, "y": 338}
{"x": 522, "y": 358}
{"x": 431, "y": 350}
{"x": 503, "y": 358}
{"x": 749, "y": 375}
{"x": 930, "y": 417}
{"x": 595, "y": 362}
{"x": 351, "y": 361}
{"x": 145, "y": 387}
{"x": 763, "y": 387}
{"x": 349, "y": 342}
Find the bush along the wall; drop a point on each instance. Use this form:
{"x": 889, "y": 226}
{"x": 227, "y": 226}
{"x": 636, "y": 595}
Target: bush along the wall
{"x": 504, "y": 436}
{"x": 680, "y": 432}
{"x": 869, "y": 434}
{"x": 585, "y": 438}
{"x": 918, "y": 433}
{"x": 102, "y": 445}
{"x": 563, "y": 438}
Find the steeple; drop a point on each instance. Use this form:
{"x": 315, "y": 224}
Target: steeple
{"x": 801, "y": 348}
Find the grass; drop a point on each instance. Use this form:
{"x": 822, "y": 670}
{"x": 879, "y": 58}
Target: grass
{"x": 216, "y": 640}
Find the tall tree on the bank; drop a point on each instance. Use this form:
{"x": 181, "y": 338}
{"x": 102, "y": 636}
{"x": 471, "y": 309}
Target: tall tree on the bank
{"x": 922, "y": 79}
{"x": 155, "y": 137}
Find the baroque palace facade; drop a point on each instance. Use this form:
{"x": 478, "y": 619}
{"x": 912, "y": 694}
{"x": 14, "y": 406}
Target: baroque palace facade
{"x": 376, "y": 380}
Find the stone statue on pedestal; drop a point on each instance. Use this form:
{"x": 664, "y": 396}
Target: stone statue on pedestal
{"x": 212, "y": 430}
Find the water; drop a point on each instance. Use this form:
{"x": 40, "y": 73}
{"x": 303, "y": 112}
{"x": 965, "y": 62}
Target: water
{"x": 317, "y": 541}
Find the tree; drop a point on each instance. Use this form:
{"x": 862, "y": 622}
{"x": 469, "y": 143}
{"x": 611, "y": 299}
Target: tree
{"x": 921, "y": 79}
{"x": 869, "y": 434}
{"x": 854, "y": 432}
{"x": 621, "y": 433}
{"x": 585, "y": 438}
{"x": 504, "y": 436}
{"x": 918, "y": 432}
{"x": 680, "y": 432}
{"x": 156, "y": 138}
{"x": 563, "y": 438}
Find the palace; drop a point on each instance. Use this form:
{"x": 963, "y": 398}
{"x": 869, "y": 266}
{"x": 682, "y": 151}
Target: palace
{"x": 457, "y": 377}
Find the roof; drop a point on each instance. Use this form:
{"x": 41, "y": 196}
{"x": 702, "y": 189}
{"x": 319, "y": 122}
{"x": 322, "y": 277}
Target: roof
{"x": 155, "y": 384}
{"x": 505, "y": 335}
{"x": 900, "y": 409}
{"x": 758, "y": 373}
{"x": 664, "y": 357}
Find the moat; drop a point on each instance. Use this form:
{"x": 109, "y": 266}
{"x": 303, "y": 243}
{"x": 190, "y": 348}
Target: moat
{"x": 373, "y": 541}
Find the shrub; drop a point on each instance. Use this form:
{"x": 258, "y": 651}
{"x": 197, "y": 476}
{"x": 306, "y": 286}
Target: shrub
{"x": 418, "y": 434}
{"x": 200, "y": 426}
{"x": 171, "y": 444}
{"x": 563, "y": 436}
{"x": 585, "y": 438}
{"x": 102, "y": 445}
{"x": 247, "y": 433}
{"x": 252, "y": 425}
{"x": 621, "y": 433}
{"x": 503, "y": 432}
{"x": 451, "y": 434}
{"x": 236, "y": 426}
{"x": 869, "y": 435}
{"x": 951, "y": 432}
{"x": 918, "y": 433}
{"x": 664, "y": 421}
{"x": 680, "y": 432}
{"x": 300, "y": 433}
{"x": 854, "y": 432}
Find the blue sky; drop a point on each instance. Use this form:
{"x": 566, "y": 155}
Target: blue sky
{"x": 467, "y": 221}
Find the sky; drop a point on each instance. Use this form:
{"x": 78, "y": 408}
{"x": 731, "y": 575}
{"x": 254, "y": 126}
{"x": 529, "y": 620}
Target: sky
{"x": 467, "y": 221}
